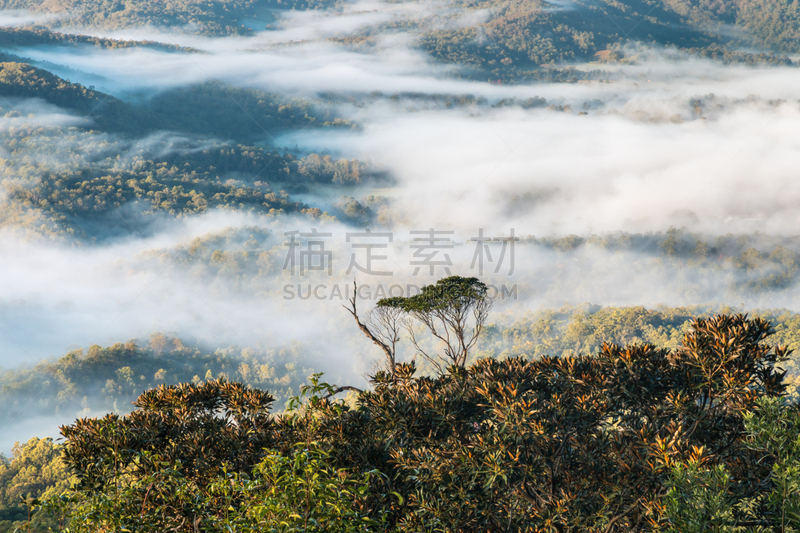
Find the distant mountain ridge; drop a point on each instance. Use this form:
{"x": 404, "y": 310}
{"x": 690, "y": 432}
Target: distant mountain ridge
{"x": 510, "y": 41}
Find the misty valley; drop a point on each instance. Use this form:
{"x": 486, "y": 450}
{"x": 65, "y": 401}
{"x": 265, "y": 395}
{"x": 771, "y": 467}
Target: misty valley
{"x": 399, "y": 265}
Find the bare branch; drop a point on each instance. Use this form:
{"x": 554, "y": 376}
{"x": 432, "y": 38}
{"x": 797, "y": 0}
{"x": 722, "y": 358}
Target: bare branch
{"x": 390, "y": 334}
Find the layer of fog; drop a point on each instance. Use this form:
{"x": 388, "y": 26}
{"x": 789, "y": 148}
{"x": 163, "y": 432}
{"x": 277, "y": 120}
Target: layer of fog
{"x": 393, "y": 66}
{"x": 21, "y": 17}
{"x": 643, "y": 158}
{"x": 58, "y": 298}
{"x": 584, "y": 174}
{"x": 54, "y": 298}
{"x": 297, "y": 55}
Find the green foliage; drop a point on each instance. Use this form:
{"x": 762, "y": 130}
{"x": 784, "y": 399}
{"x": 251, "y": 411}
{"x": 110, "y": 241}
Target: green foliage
{"x": 704, "y": 498}
{"x": 152, "y": 469}
{"x": 575, "y": 443}
{"x": 290, "y": 493}
{"x": 35, "y": 471}
{"x": 198, "y": 457}
{"x": 774, "y": 428}
{"x": 91, "y": 192}
{"x": 199, "y": 427}
{"x": 634, "y": 438}
{"x": 301, "y": 492}
{"x": 697, "y": 500}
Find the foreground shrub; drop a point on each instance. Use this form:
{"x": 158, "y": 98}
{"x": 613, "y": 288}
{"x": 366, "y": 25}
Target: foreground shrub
{"x": 616, "y": 441}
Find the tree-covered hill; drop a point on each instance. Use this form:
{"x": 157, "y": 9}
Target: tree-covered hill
{"x": 99, "y": 380}
{"x": 168, "y": 155}
{"x": 211, "y": 109}
{"x": 21, "y": 80}
{"x": 516, "y": 38}
{"x": 216, "y": 109}
{"x": 111, "y": 196}
{"x": 34, "y": 468}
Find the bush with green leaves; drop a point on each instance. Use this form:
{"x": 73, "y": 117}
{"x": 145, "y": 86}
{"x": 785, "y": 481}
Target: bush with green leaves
{"x": 200, "y": 457}
{"x": 572, "y": 443}
{"x": 704, "y": 498}
{"x": 285, "y": 493}
{"x": 34, "y": 471}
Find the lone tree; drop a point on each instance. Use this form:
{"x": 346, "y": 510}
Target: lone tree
{"x": 454, "y": 310}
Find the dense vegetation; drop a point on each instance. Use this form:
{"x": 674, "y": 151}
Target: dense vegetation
{"x": 526, "y": 34}
{"x": 632, "y": 438}
{"x": 34, "y": 469}
{"x": 94, "y": 186}
{"x": 581, "y": 418}
{"x": 98, "y": 203}
{"x": 518, "y": 37}
{"x": 88, "y": 205}
{"x": 532, "y": 40}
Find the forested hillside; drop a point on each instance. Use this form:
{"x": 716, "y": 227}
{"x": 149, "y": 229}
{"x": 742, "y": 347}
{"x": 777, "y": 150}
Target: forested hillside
{"x": 100, "y": 380}
{"x": 79, "y": 192}
{"x": 35, "y": 468}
